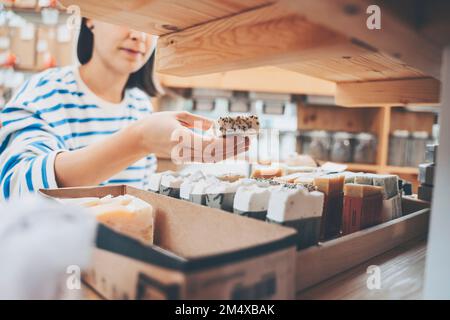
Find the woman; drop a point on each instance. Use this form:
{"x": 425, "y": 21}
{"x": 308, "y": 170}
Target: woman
{"x": 89, "y": 125}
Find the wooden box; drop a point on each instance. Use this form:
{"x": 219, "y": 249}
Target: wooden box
{"x": 318, "y": 263}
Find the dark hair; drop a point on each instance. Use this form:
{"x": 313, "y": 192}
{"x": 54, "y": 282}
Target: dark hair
{"x": 142, "y": 79}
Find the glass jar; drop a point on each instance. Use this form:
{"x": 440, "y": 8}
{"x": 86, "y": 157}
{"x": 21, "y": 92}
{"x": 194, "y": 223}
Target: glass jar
{"x": 417, "y": 148}
{"x": 316, "y": 144}
{"x": 398, "y": 148}
{"x": 341, "y": 150}
{"x": 365, "y": 148}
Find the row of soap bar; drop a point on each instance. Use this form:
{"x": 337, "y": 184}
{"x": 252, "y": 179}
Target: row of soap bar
{"x": 314, "y": 202}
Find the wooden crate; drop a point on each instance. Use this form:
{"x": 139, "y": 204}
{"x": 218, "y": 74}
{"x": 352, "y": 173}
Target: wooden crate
{"x": 318, "y": 263}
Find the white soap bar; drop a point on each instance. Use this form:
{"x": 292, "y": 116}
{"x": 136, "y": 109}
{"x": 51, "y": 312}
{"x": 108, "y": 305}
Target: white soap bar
{"x": 251, "y": 198}
{"x": 189, "y": 183}
{"x": 202, "y": 186}
{"x": 288, "y": 204}
{"x": 172, "y": 180}
{"x": 224, "y": 187}
{"x": 239, "y": 125}
{"x": 155, "y": 180}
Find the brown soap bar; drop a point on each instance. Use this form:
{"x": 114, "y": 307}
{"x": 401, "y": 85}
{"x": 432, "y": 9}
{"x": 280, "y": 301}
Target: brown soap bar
{"x": 268, "y": 173}
{"x": 332, "y": 216}
{"x": 361, "y": 190}
{"x": 361, "y": 212}
{"x": 331, "y": 184}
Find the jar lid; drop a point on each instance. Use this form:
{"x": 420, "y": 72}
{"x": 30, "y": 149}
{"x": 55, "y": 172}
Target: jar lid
{"x": 317, "y": 134}
{"x": 420, "y": 135}
{"x": 343, "y": 135}
{"x": 365, "y": 136}
{"x": 401, "y": 133}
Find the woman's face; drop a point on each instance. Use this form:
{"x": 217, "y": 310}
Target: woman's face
{"x": 121, "y": 48}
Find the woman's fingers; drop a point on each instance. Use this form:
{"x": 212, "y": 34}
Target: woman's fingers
{"x": 191, "y": 120}
{"x": 210, "y": 150}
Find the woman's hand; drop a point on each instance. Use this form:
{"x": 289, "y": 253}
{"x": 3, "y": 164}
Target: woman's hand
{"x": 166, "y": 134}
{"x": 169, "y": 135}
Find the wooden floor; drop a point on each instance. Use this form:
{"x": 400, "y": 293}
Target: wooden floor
{"x": 402, "y": 273}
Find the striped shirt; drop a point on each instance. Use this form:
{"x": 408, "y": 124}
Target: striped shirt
{"x": 55, "y": 111}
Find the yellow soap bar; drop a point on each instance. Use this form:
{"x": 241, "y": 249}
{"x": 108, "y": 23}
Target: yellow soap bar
{"x": 330, "y": 184}
{"x": 267, "y": 173}
{"x": 125, "y": 214}
{"x": 361, "y": 190}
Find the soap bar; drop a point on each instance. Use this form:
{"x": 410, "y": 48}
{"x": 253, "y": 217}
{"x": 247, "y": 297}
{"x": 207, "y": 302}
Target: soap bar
{"x": 170, "y": 184}
{"x": 252, "y": 201}
{"x": 297, "y": 169}
{"x": 332, "y": 216}
{"x": 431, "y": 153}
{"x": 220, "y": 195}
{"x": 200, "y": 189}
{"x": 155, "y": 180}
{"x": 125, "y": 214}
{"x": 425, "y": 193}
{"x": 239, "y": 125}
{"x": 296, "y": 207}
{"x": 361, "y": 190}
{"x": 364, "y": 178}
{"x": 230, "y": 177}
{"x": 290, "y": 178}
{"x": 330, "y": 184}
{"x": 188, "y": 184}
{"x": 426, "y": 173}
{"x": 392, "y": 208}
{"x": 349, "y": 177}
{"x": 389, "y": 183}
{"x": 361, "y": 212}
{"x": 267, "y": 173}
{"x": 294, "y": 202}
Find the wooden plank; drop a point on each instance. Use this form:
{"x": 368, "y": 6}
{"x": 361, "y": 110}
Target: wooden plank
{"x": 333, "y": 118}
{"x": 395, "y": 37}
{"x": 421, "y": 91}
{"x": 319, "y": 263}
{"x": 412, "y": 121}
{"x": 384, "y": 123}
{"x": 364, "y": 67}
{"x": 270, "y": 35}
{"x": 262, "y": 79}
{"x": 161, "y": 16}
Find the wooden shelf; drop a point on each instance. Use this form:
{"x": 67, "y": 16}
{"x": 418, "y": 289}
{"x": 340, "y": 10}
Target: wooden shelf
{"x": 400, "y": 170}
{"x": 393, "y": 65}
{"x": 262, "y": 79}
{"x": 363, "y": 167}
{"x": 382, "y": 169}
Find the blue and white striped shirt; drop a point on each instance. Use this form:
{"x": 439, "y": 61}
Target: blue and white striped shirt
{"x": 55, "y": 111}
